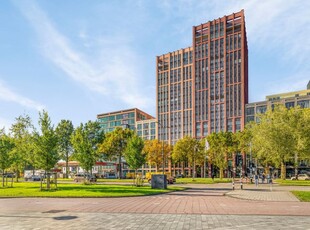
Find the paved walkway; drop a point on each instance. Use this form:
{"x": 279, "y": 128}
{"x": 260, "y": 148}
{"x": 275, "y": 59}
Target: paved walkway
{"x": 200, "y": 207}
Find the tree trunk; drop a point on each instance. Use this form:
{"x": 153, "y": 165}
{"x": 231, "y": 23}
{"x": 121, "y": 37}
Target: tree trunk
{"x": 243, "y": 163}
{"x": 221, "y": 173}
{"x": 120, "y": 166}
{"x": 48, "y": 185}
{"x": 17, "y": 175}
{"x": 226, "y": 162}
{"x": 189, "y": 170}
{"x": 234, "y": 165}
{"x": 2, "y": 177}
{"x": 296, "y": 164}
{"x": 194, "y": 170}
{"x": 67, "y": 166}
{"x": 209, "y": 169}
{"x": 283, "y": 171}
{"x": 267, "y": 170}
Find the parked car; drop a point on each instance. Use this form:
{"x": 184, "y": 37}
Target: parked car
{"x": 9, "y": 175}
{"x": 301, "y": 177}
{"x": 32, "y": 178}
{"x": 81, "y": 177}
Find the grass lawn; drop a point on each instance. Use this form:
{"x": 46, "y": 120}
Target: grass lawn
{"x": 293, "y": 182}
{"x": 32, "y": 189}
{"x": 101, "y": 180}
{"x": 302, "y": 195}
{"x": 201, "y": 180}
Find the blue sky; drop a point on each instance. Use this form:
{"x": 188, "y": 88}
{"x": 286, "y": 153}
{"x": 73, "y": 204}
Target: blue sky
{"x": 77, "y": 58}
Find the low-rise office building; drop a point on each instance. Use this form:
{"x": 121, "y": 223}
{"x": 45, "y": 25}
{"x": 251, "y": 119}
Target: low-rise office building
{"x": 123, "y": 118}
{"x": 146, "y": 129}
{"x": 291, "y": 99}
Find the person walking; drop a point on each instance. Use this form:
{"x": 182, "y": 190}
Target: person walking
{"x": 256, "y": 180}
{"x": 263, "y": 178}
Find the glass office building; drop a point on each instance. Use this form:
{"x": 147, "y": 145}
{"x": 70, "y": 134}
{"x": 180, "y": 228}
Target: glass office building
{"x": 123, "y": 118}
{"x": 147, "y": 129}
{"x": 291, "y": 99}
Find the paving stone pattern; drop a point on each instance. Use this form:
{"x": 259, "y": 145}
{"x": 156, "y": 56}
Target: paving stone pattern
{"x": 199, "y": 207}
{"x": 148, "y": 221}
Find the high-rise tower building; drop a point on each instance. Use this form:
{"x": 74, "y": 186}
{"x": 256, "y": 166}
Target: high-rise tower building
{"x": 175, "y": 95}
{"x": 204, "y": 88}
{"x": 220, "y": 75}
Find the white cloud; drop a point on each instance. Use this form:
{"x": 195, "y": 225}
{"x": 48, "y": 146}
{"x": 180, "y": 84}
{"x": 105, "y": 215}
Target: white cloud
{"x": 4, "y": 123}
{"x": 115, "y": 74}
{"x": 274, "y": 27}
{"x": 6, "y": 94}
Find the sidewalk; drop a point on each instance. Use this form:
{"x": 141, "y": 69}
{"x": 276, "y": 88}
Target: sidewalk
{"x": 264, "y": 192}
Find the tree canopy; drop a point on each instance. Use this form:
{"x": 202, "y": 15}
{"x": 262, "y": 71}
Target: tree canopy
{"x": 64, "y": 131}
{"x": 85, "y": 140}
{"x": 114, "y": 145}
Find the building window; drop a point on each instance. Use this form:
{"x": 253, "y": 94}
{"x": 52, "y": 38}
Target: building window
{"x": 289, "y": 104}
{"x": 304, "y": 103}
{"x": 250, "y": 111}
{"x": 261, "y": 109}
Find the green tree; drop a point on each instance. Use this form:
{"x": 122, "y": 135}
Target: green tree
{"x": 114, "y": 145}
{"x": 242, "y": 140}
{"x": 22, "y": 132}
{"x": 85, "y": 140}
{"x": 299, "y": 122}
{"x": 134, "y": 155}
{"x": 274, "y": 138}
{"x": 64, "y": 131}
{"x": 46, "y": 154}
{"x": 6, "y": 146}
{"x": 190, "y": 149}
{"x": 221, "y": 145}
{"x": 156, "y": 152}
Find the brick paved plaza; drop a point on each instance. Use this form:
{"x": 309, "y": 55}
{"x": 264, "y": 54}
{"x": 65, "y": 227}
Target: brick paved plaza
{"x": 200, "y": 207}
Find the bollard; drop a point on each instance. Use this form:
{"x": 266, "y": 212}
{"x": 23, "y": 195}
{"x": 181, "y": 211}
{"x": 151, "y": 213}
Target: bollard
{"x": 233, "y": 185}
{"x": 241, "y": 185}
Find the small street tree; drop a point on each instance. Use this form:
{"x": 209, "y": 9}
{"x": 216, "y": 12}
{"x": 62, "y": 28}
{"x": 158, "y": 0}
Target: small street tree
{"x": 156, "y": 152}
{"x": 242, "y": 140}
{"x": 216, "y": 151}
{"x": 273, "y": 138}
{"x": 115, "y": 144}
{"x": 190, "y": 149}
{"x": 22, "y": 154}
{"x": 134, "y": 155}
{"x": 64, "y": 131}
{"x": 85, "y": 140}
{"x": 45, "y": 142}
{"x": 6, "y": 146}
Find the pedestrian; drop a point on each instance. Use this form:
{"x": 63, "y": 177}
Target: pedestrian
{"x": 256, "y": 180}
{"x": 263, "y": 178}
{"x": 212, "y": 176}
{"x": 268, "y": 178}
